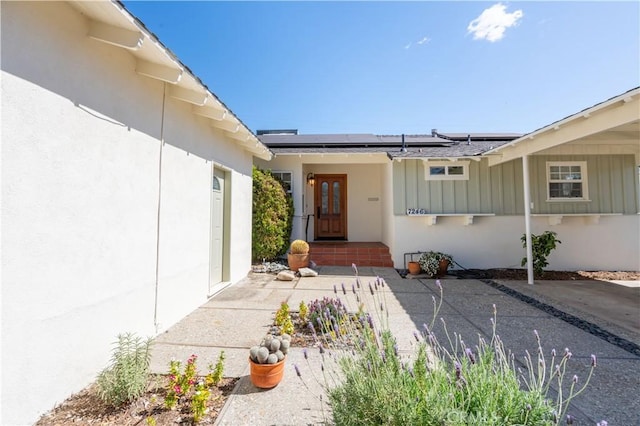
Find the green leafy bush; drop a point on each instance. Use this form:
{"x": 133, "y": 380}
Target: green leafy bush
{"x": 126, "y": 377}
{"x": 272, "y": 216}
{"x": 541, "y": 246}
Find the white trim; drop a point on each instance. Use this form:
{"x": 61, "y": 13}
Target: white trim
{"x": 583, "y": 180}
{"x": 446, "y": 165}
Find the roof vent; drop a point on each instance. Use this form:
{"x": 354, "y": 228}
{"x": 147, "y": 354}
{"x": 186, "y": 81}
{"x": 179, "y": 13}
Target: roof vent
{"x": 404, "y": 147}
{"x": 434, "y": 132}
{"x": 468, "y": 139}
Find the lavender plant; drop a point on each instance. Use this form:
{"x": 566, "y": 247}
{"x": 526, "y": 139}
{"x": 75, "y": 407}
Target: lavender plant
{"x": 444, "y": 382}
{"x": 126, "y": 377}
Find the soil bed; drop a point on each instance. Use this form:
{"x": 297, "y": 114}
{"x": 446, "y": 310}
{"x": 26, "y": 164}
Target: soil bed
{"x": 86, "y": 408}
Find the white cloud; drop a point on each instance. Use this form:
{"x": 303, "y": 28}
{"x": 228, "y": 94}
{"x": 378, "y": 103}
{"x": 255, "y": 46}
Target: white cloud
{"x": 424, "y": 40}
{"x": 492, "y": 23}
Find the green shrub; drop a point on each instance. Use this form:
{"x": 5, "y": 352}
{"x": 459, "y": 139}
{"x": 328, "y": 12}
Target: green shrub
{"x": 272, "y": 216}
{"x": 541, "y": 246}
{"x": 126, "y": 377}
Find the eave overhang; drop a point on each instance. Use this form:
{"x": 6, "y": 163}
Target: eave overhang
{"x": 603, "y": 121}
{"x": 110, "y": 22}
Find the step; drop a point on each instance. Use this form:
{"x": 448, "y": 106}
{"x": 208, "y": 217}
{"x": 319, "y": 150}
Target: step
{"x": 346, "y": 254}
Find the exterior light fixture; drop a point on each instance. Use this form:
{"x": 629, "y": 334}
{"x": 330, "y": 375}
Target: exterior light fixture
{"x": 310, "y": 179}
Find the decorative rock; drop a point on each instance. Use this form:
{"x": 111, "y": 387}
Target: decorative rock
{"x": 285, "y": 276}
{"x": 307, "y": 272}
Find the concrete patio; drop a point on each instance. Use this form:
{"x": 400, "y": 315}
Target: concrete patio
{"x": 239, "y": 316}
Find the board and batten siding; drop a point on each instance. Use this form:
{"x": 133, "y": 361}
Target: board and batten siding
{"x": 611, "y": 179}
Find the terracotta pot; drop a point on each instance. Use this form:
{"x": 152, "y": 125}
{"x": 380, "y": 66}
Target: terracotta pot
{"x": 266, "y": 376}
{"x": 414, "y": 268}
{"x": 297, "y": 261}
{"x": 443, "y": 267}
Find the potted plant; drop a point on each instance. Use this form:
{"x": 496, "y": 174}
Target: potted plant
{"x": 267, "y": 360}
{"x": 414, "y": 267}
{"x": 298, "y": 256}
{"x": 435, "y": 263}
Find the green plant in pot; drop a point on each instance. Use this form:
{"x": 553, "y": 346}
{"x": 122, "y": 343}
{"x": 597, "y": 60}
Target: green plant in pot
{"x": 267, "y": 360}
{"x": 435, "y": 263}
{"x": 298, "y": 256}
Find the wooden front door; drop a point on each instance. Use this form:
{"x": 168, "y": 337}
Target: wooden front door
{"x": 331, "y": 207}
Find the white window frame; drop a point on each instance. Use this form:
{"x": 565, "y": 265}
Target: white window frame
{"x": 279, "y": 173}
{"x": 583, "y": 180}
{"x": 446, "y": 165}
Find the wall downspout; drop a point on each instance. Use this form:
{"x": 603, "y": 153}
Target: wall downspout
{"x": 156, "y": 324}
{"x": 527, "y": 217}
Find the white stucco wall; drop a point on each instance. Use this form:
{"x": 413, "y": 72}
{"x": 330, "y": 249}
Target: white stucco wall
{"x": 494, "y": 242}
{"x": 80, "y": 189}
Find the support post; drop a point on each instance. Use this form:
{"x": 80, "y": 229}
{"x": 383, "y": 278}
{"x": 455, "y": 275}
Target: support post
{"x": 527, "y": 217}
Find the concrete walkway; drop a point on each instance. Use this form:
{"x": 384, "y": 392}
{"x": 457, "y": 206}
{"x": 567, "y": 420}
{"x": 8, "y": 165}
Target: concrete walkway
{"x": 238, "y": 317}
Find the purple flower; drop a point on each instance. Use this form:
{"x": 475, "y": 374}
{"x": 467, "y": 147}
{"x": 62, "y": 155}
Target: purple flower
{"x": 593, "y": 361}
{"x": 575, "y": 378}
{"x": 371, "y": 289}
{"x": 553, "y": 352}
{"x": 458, "y": 369}
{"x": 321, "y": 349}
{"x": 353, "y": 288}
{"x": 297, "y": 370}
{"x": 304, "y": 352}
{"x": 355, "y": 268}
{"x": 343, "y": 290}
{"x": 335, "y": 290}
{"x": 470, "y": 355}
{"x": 395, "y": 349}
{"x": 569, "y": 419}
{"x": 415, "y": 336}
{"x": 603, "y": 423}
{"x": 439, "y": 284}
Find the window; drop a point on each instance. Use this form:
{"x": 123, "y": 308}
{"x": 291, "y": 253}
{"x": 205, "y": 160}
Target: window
{"x": 285, "y": 178}
{"x": 567, "y": 180}
{"x": 458, "y": 170}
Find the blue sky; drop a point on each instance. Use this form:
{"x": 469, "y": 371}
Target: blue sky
{"x": 403, "y": 67}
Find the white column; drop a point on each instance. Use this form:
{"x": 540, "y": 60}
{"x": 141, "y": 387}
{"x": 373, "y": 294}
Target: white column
{"x": 527, "y": 217}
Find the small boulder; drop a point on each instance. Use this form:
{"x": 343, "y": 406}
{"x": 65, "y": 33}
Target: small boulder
{"x": 285, "y": 276}
{"x": 307, "y": 272}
